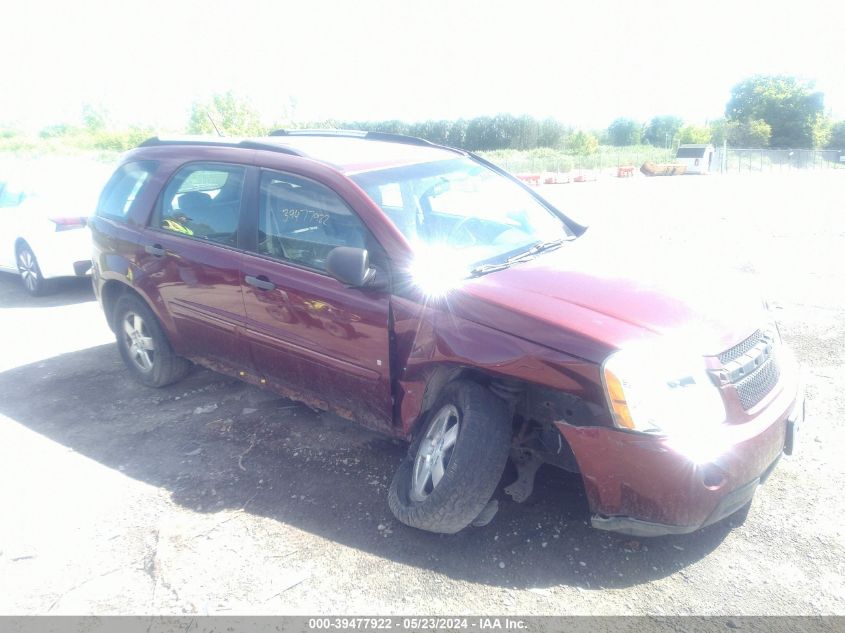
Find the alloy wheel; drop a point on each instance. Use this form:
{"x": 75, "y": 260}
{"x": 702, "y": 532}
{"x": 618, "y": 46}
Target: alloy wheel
{"x": 138, "y": 341}
{"x": 435, "y": 452}
{"x": 28, "y": 269}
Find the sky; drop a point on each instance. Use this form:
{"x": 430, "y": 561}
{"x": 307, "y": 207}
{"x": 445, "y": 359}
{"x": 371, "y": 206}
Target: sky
{"x": 584, "y": 63}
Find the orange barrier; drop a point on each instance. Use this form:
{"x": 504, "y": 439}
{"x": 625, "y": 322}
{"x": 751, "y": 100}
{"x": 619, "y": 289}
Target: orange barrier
{"x": 531, "y": 179}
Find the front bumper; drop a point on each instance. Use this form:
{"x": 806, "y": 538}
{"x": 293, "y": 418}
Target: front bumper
{"x": 729, "y": 504}
{"x": 642, "y": 486}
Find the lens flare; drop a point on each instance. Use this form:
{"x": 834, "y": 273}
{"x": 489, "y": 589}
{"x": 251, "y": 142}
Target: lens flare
{"x": 700, "y": 447}
{"x": 438, "y": 269}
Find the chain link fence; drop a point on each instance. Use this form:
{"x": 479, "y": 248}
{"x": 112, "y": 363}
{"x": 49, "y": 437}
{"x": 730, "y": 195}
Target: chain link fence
{"x": 738, "y": 160}
{"x": 607, "y": 161}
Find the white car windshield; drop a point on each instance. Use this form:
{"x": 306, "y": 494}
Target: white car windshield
{"x": 464, "y": 210}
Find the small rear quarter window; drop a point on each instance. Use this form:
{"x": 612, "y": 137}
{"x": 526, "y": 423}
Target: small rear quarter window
{"x": 123, "y": 189}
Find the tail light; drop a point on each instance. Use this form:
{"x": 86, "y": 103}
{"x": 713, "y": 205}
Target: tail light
{"x": 67, "y": 224}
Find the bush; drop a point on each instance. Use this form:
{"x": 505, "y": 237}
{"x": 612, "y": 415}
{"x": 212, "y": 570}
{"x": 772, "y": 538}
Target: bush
{"x": 58, "y": 131}
{"x": 583, "y": 144}
{"x": 120, "y": 140}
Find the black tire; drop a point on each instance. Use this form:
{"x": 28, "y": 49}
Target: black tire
{"x": 474, "y": 467}
{"x": 161, "y": 366}
{"x": 30, "y": 272}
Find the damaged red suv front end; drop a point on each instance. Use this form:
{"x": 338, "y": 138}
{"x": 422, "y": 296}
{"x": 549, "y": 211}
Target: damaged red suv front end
{"x": 425, "y": 293}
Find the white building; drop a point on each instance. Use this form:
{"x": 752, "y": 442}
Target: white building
{"x": 698, "y": 159}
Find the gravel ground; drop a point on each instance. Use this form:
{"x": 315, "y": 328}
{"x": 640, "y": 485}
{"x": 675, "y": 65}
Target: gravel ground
{"x": 213, "y": 497}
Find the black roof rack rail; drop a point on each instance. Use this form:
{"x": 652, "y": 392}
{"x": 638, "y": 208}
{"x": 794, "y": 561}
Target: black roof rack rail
{"x": 372, "y": 136}
{"x": 220, "y": 142}
{"x": 320, "y": 132}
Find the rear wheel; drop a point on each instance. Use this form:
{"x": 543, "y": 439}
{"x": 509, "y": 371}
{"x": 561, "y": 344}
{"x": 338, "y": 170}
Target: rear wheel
{"x": 33, "y": 280}
{"x": 145, "y": 350}
{"x": 455, "y": 463}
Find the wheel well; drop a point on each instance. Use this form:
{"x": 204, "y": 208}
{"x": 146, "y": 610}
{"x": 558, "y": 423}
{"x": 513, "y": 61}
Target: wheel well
{"x": 19, "y": 243}
{"x": 534, "y": 409}
{"x": 439, "y": 377}
{"x": 112, "y": 291}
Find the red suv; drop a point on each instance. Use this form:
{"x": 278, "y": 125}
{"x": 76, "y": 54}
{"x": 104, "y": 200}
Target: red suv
{"x": 425, "y": 293}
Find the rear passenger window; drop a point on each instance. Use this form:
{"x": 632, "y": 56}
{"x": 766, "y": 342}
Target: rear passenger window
{"x": 204, "y": 201}
{"x": 10, "y": 197}
{"x": 301, "y": 221}
{"x": 123, "y": 189}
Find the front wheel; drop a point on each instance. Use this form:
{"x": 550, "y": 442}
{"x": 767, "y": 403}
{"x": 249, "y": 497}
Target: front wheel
{"x": 145, "y": 350}
{"x": 456, "y": 461}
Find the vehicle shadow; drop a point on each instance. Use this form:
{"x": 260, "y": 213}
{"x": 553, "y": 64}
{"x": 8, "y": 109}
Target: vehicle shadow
{"x": 63, "y": 291}
{"x": 215, "y": 444}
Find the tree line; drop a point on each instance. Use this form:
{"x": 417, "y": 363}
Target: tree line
{"x": 775, "y": 111}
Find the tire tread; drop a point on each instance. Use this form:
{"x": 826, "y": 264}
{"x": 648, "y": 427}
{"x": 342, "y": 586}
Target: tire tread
{"x": 473, "y": 472}
{"x": 168, "y": 367}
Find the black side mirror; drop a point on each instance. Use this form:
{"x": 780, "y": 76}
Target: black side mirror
{"x": 350, "y": 266}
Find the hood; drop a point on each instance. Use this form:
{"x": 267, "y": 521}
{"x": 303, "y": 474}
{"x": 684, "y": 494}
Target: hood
{"x": 588, "y": 301}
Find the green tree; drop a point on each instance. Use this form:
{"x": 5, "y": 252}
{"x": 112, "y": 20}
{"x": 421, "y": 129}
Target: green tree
{"x": 550, "y": 133}
{"x": 790, "y": 106}
{"x": 526, "y": 132}
{"x": 718, "y": 131}
{"x": 582, "y": 143}
{"x": 694, "y": 134}
{"x": 755, "y": 133}
{"x": 661, "y": 130}
{"x": 439, "y": 131}
{"x": 232, "y": 115}
{"x": 837, "y": 136}
{"x": 822, "y": 129}
{"x": 624, "y": 132}
{"x": 457, "y": 133}
{"x": 394, "y": 126}
{"x": 500, "y": 135}
{"x": 478, "y": 135}
{"x": 94, "y": 118}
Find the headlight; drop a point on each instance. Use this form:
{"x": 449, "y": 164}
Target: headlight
{"x": 663, "y": 391}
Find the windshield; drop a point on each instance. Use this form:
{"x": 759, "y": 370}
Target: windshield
{"x": 460, "y": 210}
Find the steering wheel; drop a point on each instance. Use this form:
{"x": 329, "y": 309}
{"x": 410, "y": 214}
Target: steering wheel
{"x": 463, "y": 226}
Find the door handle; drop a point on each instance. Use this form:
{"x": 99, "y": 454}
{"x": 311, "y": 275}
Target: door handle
{"x": 262, "y": 283}
{"x": 155, "y": 249}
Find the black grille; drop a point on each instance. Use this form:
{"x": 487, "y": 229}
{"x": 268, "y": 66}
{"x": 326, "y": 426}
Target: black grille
{"x": 754, "y": 388}
{"x": 738, "y": 350}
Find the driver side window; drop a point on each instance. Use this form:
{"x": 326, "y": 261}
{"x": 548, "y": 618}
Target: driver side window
{"x": 301, "y": 221}
{"x": 204, "y": 201}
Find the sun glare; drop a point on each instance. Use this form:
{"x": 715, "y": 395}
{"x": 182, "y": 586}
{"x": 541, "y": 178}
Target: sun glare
{"x": 700, "y": 447}
{"x": 437, "y": 269}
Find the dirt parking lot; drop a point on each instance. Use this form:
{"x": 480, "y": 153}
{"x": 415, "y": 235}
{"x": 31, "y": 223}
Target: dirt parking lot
{"x": 212, "y": 497}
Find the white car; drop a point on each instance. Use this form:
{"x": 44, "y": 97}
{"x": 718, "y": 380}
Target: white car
{"x": 43, "y": 232}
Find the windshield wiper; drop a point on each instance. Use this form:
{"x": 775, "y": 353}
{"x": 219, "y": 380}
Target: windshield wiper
{"x": 536, "y": 249}
{"x": 483, "y": 269}
{"x": 539, "y": 247}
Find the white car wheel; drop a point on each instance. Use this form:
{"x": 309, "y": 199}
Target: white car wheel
{"x": 33, "y": 281}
